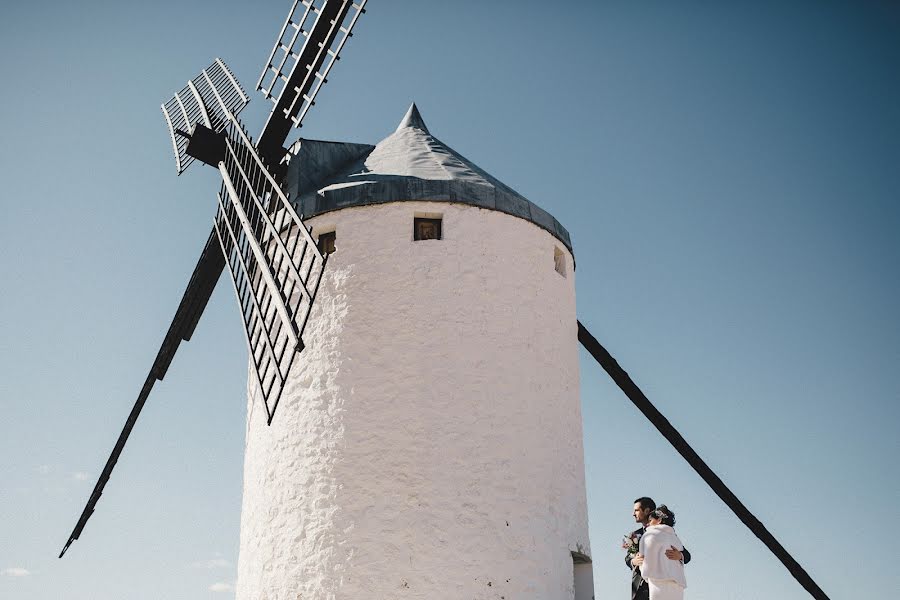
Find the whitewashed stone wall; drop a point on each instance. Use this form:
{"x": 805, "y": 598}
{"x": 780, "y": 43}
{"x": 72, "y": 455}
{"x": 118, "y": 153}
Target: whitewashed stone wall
{"x": 429, "y": 443}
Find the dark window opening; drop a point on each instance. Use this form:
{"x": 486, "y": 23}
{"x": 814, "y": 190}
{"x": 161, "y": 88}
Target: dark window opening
{"x": 426, "y": 229}
{"x": 326, "y": 242}
{"x": 583, "y": 572}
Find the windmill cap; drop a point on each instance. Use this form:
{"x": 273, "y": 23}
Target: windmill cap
{"x": 410, "y": 164}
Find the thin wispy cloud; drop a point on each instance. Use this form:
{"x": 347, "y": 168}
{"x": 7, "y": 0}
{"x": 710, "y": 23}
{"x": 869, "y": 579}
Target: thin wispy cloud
{"x": 43, "y": 469}
{"x": 15, "y": 572}
{"x": 221, "y": 586}
{"x": 80, "y": 476}
{"x": 212, "y": 563}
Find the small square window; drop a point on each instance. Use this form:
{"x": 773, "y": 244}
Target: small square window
{"x": 426, "y": 229}
{"x": 559, "y": 261}
{"x": 326, "y": 242}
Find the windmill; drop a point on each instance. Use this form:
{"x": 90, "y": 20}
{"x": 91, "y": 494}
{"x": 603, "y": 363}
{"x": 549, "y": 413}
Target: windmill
{"x": 272, "y": 260}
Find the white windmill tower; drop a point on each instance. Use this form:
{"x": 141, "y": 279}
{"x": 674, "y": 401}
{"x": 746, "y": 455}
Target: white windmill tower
{"x": 429, "y": 442}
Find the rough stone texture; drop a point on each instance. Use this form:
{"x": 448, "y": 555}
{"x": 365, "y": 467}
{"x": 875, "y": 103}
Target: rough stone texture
{"x": 429, "y": 441}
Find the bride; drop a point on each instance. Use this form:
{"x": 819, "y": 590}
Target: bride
{"x": 664, "y": 577}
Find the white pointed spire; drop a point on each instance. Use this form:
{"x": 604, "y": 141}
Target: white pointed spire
{"x": 413, "y": 118}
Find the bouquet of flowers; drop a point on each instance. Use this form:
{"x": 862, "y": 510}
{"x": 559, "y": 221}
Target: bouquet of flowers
{"x": 630, "y": 543}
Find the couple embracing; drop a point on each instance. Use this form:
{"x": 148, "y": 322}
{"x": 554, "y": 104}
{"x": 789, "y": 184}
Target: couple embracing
{"x": 655, "y": 555}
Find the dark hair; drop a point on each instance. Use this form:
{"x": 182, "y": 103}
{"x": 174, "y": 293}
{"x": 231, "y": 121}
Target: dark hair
{"x": 664, "y": 514}
{"x": 646, "y": 503}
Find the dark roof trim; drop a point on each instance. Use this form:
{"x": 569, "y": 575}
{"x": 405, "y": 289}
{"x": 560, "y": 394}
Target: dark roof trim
{"x": 371, "y": 191}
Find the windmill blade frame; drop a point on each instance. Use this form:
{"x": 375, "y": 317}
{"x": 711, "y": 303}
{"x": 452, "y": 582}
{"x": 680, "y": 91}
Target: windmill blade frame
{"x": 274, "y": 263}
{"x": 662, "y": 424}
{"x": 208, "y": 104}
{"x": 193, "y": 302}
{"x": 208, "y": 98}
{"x": 293, "y": 77}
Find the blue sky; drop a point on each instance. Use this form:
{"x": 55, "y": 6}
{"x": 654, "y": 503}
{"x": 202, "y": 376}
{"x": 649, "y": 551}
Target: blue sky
{"x": 728, "y": 172}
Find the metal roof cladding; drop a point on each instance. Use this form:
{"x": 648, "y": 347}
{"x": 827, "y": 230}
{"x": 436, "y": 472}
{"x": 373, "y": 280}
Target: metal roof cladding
{"x": 409, "y": 164}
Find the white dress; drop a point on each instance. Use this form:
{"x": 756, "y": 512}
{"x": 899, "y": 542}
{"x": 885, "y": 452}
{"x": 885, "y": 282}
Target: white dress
{"x": 664, "y": 577}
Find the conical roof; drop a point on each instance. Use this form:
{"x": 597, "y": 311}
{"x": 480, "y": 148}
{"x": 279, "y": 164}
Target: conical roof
{"x": 409, "y": 164}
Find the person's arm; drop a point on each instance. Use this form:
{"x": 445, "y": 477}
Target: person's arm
{"x": 674, "y": 553}
{"x": 638, "y": 560}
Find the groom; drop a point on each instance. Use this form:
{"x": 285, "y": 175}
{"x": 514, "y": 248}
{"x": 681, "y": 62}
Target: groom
{"x": 643, "y": 506}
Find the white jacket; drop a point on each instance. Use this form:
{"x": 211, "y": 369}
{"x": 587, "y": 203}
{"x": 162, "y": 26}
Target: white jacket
{"x": 654, "y": 543}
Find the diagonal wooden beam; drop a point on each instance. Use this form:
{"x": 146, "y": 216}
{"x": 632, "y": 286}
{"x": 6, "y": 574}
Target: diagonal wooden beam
{"x": 643, "y": 404}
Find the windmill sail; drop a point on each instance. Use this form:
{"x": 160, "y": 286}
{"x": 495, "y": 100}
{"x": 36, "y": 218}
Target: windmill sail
{"x": 309, "y": 43}
{"x": 208, "y": 99}
{"x": 643, "y": 404}
{"x": 288, "y": 257}
{"x": 192, "y": 304}
{"x": 273, "y": 261}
